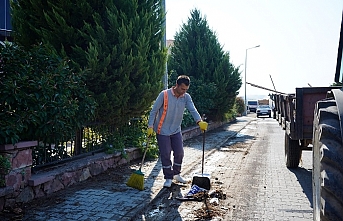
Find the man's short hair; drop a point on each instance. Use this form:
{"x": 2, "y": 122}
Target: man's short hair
{"x": 183, "y": 79}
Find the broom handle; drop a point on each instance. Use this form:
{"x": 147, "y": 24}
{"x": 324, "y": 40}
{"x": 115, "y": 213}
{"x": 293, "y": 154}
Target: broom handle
{"x": 203, "y": 148}
{"x": 203, "y": 153}
{"x": 147, "y": 145}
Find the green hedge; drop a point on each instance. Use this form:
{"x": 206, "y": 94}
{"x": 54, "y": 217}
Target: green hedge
{"x": 40, "y": 96}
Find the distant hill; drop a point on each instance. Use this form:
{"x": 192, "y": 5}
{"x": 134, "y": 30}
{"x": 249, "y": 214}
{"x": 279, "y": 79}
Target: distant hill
{"x": 255, "y": 97}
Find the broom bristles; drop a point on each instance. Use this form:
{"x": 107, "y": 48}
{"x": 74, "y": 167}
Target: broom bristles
{"x": 136, "y": 180}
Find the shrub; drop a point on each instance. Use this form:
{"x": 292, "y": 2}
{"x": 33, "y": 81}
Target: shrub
{"x": 239, "y": 105}
{"x": 40, "y": 97}
{"x": 5, "y": 166}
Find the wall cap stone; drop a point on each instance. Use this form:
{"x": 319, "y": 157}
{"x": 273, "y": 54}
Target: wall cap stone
{"x": 19, "y": 145}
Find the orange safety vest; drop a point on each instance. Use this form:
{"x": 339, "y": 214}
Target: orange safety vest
{"x": 164, "y": 113}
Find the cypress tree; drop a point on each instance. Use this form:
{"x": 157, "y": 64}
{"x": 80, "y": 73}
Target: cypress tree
{"x": 117, "y": 43}
{"x": 197, "y": 53}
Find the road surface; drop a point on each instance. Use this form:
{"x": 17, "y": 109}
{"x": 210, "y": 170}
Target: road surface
{"x": 250, "y": 170}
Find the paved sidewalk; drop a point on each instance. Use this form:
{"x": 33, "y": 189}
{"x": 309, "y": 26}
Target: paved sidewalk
{"x": 123, "y": 202}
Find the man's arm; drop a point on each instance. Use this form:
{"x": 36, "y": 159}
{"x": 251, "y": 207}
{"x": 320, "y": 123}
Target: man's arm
{"x": 192, "y": 109}
{"x": 155, "y": 108}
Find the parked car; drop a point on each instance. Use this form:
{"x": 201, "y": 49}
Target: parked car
{"x": 263, "y": 110}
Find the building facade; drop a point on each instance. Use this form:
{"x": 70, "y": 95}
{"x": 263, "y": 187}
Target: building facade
{"x": 5, "y": 20}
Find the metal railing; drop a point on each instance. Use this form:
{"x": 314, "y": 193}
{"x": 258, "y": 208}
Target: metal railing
{"x": 83, "y": 142}
{"x": 87, "y": 141}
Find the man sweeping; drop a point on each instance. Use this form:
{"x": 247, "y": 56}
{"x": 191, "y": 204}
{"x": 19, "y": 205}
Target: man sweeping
{"x": 165, "y": 119}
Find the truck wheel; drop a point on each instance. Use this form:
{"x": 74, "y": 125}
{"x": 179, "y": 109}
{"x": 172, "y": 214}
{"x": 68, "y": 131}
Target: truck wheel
{"x": 292, "y": 152}
{"x": 327, "y": 173}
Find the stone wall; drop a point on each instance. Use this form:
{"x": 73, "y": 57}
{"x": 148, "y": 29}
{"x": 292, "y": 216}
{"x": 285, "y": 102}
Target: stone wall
{"x": 23, "y": 186}
{"x": 16, "y": 180}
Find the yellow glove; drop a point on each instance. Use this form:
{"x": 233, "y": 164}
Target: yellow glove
{"x": 150, "y": 131}
{"x": 203, "y": 125}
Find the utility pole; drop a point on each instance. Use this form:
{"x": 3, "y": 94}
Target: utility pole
{"x": 245, "y": 79}
{"x": 164, "y": 44}
{"x": 272, "y": 82}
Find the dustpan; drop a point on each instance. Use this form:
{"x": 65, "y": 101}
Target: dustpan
{"x": 202, "y": 179}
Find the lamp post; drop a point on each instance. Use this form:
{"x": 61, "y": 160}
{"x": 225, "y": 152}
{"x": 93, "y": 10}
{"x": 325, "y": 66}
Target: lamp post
{"x": 245, "y": 79}
{"x": 164, "y": 44}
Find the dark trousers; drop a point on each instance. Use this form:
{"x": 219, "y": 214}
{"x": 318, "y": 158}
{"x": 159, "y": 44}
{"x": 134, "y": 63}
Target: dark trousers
{"x": 166, "y": 145}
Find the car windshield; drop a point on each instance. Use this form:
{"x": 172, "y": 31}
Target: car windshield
{"x": 264, "y": 106}
{"x": 252, "y": 102}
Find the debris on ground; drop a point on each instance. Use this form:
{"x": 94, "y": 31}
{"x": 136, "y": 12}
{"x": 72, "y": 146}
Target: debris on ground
{"x": 211, "y": 206}
{"x": 13, "y": 214}
{"x": 208, "y": 211}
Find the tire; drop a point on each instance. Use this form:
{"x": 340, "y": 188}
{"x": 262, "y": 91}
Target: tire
{"x": 292, "y": 152}
{"x": 327, "y": 173}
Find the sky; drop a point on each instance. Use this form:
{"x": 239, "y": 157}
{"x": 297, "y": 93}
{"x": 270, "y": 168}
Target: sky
{"x": 298, "y": 39}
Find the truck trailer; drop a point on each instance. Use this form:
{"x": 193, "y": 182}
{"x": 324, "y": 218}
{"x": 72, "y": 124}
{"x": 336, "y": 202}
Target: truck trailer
{"x": 312, "y": 119}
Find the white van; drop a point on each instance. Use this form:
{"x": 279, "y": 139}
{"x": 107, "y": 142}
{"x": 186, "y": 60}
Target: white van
{"x": 252, "y": 105}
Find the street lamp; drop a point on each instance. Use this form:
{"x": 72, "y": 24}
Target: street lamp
{"x": 245, "y": 79}
{"x": 164, "y": 41}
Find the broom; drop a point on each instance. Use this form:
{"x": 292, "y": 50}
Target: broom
{"x": 136, "y": 179}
